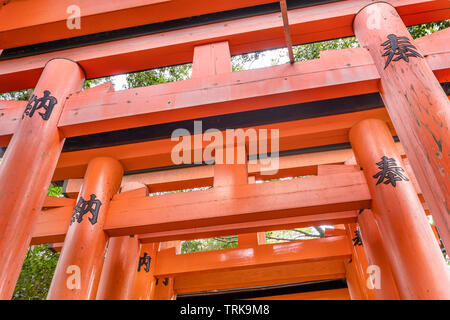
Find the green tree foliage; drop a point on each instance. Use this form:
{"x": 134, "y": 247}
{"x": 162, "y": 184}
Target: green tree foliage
{"x": 21, "y": 95}
{"x": 159, "y": 75}
{"x": 428, "y": 28}
{"x": 36, "y": 275}
{"x": 209, "y": 244}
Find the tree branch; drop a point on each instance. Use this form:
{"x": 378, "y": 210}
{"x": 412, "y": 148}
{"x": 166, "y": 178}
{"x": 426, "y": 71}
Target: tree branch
{"x": 307, "y": 233}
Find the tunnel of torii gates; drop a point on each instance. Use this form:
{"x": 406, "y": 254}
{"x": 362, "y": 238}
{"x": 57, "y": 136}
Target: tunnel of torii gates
{"x": 366, "y": 128}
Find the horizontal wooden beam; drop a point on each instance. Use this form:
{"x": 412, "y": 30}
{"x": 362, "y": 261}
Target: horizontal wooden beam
{"x": 169, "y": 264}
{"x": 158, "y": 153}
{"x": 339, "y": 73}
{"x": 202, "y": 176}
{"x": 308, "y": 24}
{"x": 56, "y": 202}
{"x": 52, "y": 226}
{"x": 244, "y": 203}
{"x": 19, "y": 29}
{"x": 223, "y": 210}
{"x": 248, "y": 227}
{"x": 253, "y": 277}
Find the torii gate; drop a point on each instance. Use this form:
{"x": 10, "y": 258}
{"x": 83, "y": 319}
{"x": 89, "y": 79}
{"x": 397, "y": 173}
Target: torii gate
{"x": 321, "y": 107}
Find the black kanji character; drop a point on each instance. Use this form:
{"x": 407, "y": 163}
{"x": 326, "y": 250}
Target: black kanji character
{"x": 390, "y": 172}
{"x": 357, "y": 241}
{"x": 400, "y": 47}
{"x": 145, "y": 260}
{"x": 47, "y": 102}
{"x": 92, "y": 205}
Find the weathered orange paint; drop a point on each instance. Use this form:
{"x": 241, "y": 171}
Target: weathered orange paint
{"x": 27, "y": 167}
{"x": 85, "y": 243}
{"x": 310, "y": 24}
{"x": 417, "y": 263}
{"x": 145, "y": 281}
{"x": 417, "y": 105}
{"x": 376, "y": 256}
{"x": 211, "y": 59}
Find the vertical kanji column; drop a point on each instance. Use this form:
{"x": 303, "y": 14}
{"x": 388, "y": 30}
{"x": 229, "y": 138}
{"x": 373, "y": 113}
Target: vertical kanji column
{"x": 27, "y": 167}
{"x": 77, "y": 274}
{"x": 417, "y": 105}
{"x": 145, "y": 286}
{"x": 417, "y": 263}
{"x": 119, "y": 271}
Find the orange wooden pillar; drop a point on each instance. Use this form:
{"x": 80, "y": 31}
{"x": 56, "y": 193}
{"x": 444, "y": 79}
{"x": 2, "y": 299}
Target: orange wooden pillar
{"x": 28, "y": 164}
{"x": 119, "y": 271}
{"x": 354, "y": 285}
{"x": 245, "y": 240}
{"x": 164, "y": 288}
{"x": 416, "y": 103}
{"x": 251, "y": 240}
{"x": 380, "y": 269}
{"x": 145, "y": 285}
{"x": 359, "y": 262}
{"x": 80, "y": 264}
{"x": 417, "y": 263}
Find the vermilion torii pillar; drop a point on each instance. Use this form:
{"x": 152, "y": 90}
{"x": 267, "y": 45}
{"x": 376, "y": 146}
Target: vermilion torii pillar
{"x": 119, "y": 271}
{"x": 416, "y": 103}
{"x": 77, "y": 274}
{"x": 416, "y": 260}
{"x": 164, "y": 288}
{"x": 359, "y": 261}
{"x": 381, "y": 271}
{"x": 29, "y": 163}
{"x": 145, "y": 286}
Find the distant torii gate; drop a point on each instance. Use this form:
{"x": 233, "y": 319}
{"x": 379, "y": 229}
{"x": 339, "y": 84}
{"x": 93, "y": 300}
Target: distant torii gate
{"x": 331, "y": 124}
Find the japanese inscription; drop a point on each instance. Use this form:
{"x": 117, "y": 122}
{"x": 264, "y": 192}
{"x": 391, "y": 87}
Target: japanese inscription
{"x": 389, "y": 172}
{"x": 145, "y": 260}
{"x": 84, "y": 206}
{"x": 400, "y": 48}
{"x": 357, "y": 241}
{"x": 47, "y": 103}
